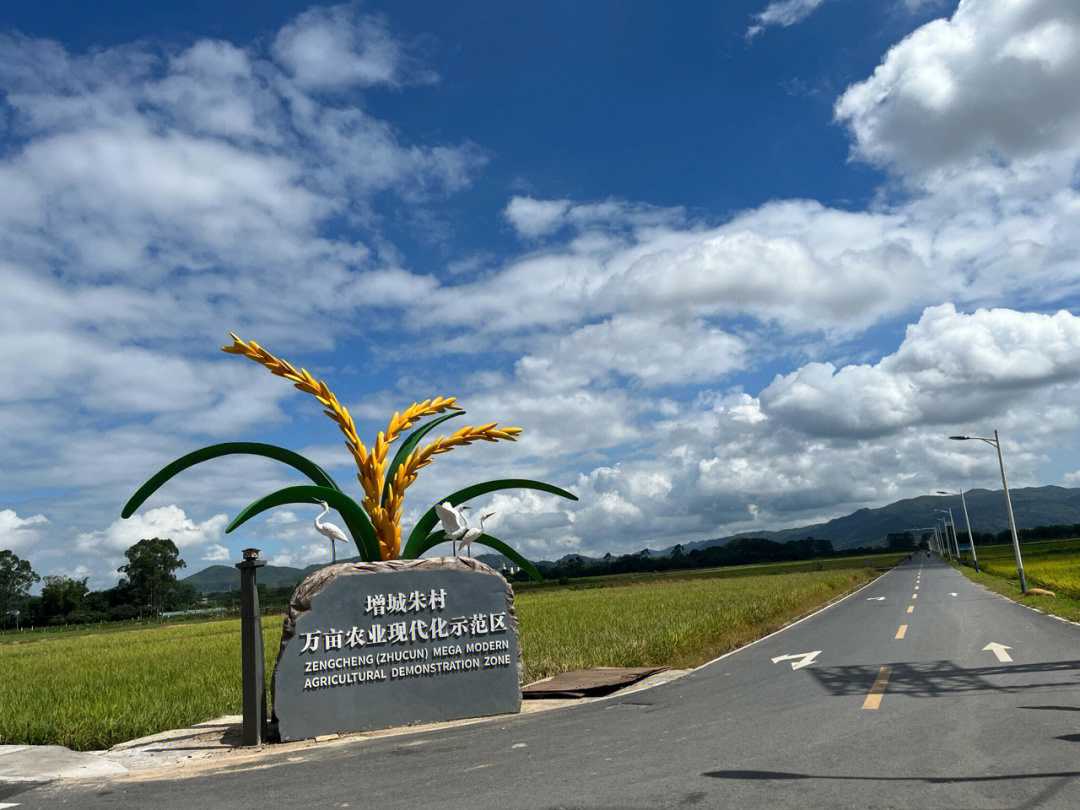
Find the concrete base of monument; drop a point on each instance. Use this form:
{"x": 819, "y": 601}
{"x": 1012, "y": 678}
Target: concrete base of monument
{"x": 216, "y": 745}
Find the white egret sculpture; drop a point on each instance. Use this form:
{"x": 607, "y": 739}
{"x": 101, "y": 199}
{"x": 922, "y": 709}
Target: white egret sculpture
{"x": 453, "y": 522}
{"x": 472, "y": 534}
{"x": 334, "y": 533}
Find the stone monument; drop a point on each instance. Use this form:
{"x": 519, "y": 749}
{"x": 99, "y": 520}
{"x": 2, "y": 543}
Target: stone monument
{"x": 374, "y": 645}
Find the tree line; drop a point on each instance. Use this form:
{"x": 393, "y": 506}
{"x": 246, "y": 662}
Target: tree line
{"x": 148, "y": 587}
{"x": 740, "y": 551}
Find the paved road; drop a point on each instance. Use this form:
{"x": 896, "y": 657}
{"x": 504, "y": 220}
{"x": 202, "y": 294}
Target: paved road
{"x": 901, "y": 707}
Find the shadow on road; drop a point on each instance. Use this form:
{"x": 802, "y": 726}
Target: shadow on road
{"x": 932, "y": 678}
{"x": 1060, "y": 779}
{"x": 930, "y": 780}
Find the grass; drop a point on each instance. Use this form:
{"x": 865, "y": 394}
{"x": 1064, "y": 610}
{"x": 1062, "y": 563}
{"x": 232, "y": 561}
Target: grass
{"x": 92, "y": 691}
{"x": 675, "y": 623}
{"x": 1052, "y": 564}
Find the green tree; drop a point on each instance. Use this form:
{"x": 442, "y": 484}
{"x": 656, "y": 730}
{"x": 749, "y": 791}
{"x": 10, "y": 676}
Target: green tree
{"x": 148, "y": 573}
{"x": 900, "y": 541}
{"x": 16, "y": 577}
{"x": 62, "y": 596}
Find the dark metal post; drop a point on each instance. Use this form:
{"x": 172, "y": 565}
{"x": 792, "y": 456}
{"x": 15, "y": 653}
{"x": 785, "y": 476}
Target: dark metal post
{"x": 252, "y": 659}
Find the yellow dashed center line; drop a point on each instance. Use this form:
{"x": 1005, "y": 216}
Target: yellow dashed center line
{"x": 916, "y": 587}
{"x": 911, "y": 609}
{"x": 902, "y": 631}
{"x": 914, "y": 596}
{"x": 873, "y": 700}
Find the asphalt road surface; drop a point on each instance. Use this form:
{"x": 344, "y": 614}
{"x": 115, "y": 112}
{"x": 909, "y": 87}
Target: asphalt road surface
{"x": 896, "y": 701}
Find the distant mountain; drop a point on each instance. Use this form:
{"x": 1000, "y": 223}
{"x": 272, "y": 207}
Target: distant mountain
{"x": 1032, "y": 506}
{"x": 219, "y": 578}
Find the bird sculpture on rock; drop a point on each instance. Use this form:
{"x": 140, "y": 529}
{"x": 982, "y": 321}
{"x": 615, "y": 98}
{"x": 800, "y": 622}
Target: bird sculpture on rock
{"x": 453, "y": 522}
{"x": 473, "y": 534}
{"x": 329, "y": 530}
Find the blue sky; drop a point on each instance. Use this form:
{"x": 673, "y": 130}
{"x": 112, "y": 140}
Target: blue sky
{"x": 730, "y": 266}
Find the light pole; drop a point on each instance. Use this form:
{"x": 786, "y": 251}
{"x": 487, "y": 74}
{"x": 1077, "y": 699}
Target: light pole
{"x": 941, "y": 546}
{"x": 996, "y": 442}
{"x": 924, "y": 529}
{"x": 955, "y": 542}
{"x": 944, "y": 529}
{"x": 971, "y": 537}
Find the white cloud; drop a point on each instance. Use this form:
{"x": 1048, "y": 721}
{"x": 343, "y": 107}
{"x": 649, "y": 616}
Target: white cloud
{"x": 20, "y": 533}
{"x": 216, "y": 552}
{"x": 782, "y": 13}
{"x": 293, "y": 557}
{"x": 281, "y": 517}
{"x": 950, "y": 367}
{"x": 532, "y": 218}
{"x": 995, "y": 82}
{"x": 337, "y": 47}
{"x": 166, "y": 522}
{"x": 646, "y": 349}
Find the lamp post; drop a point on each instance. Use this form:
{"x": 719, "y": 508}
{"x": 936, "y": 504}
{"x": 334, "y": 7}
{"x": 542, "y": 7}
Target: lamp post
{"x": 941, "y": 546}
{"x": 943, "y": 529}
{"x": 996, "y": 443}
{"x": 967, "y": 521}
{"x": 924, "y": 529}
{"x": 955, "y": 542}
{"x": 252, "y": 660}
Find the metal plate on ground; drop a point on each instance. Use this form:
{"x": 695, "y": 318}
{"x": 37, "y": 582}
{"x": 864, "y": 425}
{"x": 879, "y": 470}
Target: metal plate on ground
{"x": 591, "y": 682}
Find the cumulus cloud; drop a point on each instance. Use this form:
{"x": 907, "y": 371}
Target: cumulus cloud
{"x": 216, "y": 552}
{"x": 294, "y": 557}
{"x": 20, "y": 533}
{"x": 994, "y": 82}
{"x": 647, "y": 350}
{"x": 532, "y": 218}
{"x": 337, "y": 47}
{"x": 282, "y": 517}
{"x": 950, "y": 366}
{"x": 167, "y": 522}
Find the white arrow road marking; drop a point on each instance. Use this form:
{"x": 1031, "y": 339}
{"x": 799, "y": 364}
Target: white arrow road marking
{"x": 807, "y": 658}
{"x": 999, "y": 651}
{"x": 875, "y": 599}
{"x": 952, "y": 593}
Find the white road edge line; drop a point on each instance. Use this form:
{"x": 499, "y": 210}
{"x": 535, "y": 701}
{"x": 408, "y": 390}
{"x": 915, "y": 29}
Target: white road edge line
{"x": 788, "y": 626}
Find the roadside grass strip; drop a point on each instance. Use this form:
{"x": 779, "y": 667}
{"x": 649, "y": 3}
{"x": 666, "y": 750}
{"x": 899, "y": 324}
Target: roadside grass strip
{"x": 1050, "y": 564}
{"x": 93, "y": 691}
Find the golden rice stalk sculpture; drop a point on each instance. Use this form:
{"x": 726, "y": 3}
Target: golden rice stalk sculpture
{"x": 374, "y": 523}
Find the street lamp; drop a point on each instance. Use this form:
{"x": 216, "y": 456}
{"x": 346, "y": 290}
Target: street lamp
{"x": 971, "y": 537}
{"x": 926, "y": 529}
{"x": 955, "y": 540}
{"x": 943, "y": 530}
{"x": 996, "y": 443}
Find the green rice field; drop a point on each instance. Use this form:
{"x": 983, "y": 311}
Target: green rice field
{"x": 93, "y": 691}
